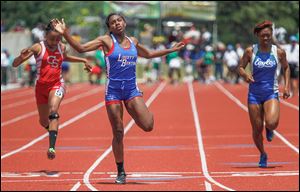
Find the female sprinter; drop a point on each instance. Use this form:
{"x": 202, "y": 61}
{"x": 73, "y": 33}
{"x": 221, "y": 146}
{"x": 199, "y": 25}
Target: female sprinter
{"x": 263, "y": 99}
{"x": 50, "y": 89}
{"x": 121, "y": 53}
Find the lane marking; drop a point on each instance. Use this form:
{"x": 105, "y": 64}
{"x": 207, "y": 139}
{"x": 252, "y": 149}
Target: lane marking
{"x": 66, "y": 123}
{"x": 289, "y": 104}
{"x": 69, "y": 100}
{"x": 207, "y": 186}
{"x": 76, "y": 186}
{"x": 22, "y": 102}
{"x": 238, "y": 102}
{"x": 200, "y": 142}
{"x": 127, "y": 128}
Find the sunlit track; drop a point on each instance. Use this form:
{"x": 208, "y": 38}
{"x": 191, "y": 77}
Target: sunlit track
{"x": 200, "y": 143}
{"x": 31, "y": 100}
{"x": 16, "y": 91}
{"x": 126, "y": 129}
{"x": 79, "y": 116}
{"x": 150, "y": 156}
{"x": 29, "y": 91}
{"x": 66, "y": 101}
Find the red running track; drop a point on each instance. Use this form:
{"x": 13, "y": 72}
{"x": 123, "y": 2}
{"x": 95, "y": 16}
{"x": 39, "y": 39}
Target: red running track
{"x": 201, "y": 141}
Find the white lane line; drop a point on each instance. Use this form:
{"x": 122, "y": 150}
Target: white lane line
{"x": 69, "y": 100}
{"x": 66, "y": 123}
{"x": 289, "y": 104}
{"x": 76, "y": 186}
{"x": 207, "y": 186}
{"x": 200, "y": 142}
{"x": 238, "y": 102}
{"x": 86, "y": 176}
{"x": 32, "y": 99}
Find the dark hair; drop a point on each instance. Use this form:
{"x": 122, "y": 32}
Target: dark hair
{"x": 112, "y": 14}
{"x": 260, "y": 26}
{"x": 49, "y": 27}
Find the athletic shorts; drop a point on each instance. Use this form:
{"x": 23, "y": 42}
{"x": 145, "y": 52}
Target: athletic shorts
{"x": 118, "y": 92}
{"x": 42, "y": 91}
{"x": 260, "y": 99}
{"x": 294, "y": 71}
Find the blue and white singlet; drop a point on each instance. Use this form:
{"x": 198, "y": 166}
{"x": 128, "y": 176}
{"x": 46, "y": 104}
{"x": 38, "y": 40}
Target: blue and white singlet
{"x": 265, "y": 73}
{"x": 121, "y": 73}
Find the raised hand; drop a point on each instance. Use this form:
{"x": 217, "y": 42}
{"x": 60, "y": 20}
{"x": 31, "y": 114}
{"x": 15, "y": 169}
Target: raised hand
{"x": 58, "y": 25}
{"x": 25, "y": 53}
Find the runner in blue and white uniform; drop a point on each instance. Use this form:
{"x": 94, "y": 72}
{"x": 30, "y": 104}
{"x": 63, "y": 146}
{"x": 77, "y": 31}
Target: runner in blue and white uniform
{"x": 121, "y": 75}
{"x": 121, "y": 53}
{"x": 263, "y": 96}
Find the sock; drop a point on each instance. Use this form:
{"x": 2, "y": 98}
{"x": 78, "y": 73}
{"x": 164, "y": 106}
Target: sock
{"x": 120, "y": 167}
{"x": 52, "y": 139}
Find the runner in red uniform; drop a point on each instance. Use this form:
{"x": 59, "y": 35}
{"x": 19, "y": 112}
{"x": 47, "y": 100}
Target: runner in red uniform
{"x": 50, "y": 89}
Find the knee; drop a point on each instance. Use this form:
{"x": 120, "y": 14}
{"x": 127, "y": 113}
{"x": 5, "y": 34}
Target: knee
{"x": 256, "y": 131}
{"x": 272, "y": 124}
{"x": 44, "y": 122}
{"x": 149, "y": 126}
{"x": 53, "y": 115}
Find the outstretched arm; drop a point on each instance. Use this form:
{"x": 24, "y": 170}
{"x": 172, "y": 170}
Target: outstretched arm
{"x": 144, "y": 52}
{"x": 71, "y": 58}
{"x": 60, "y": 26}
{"x": 286, "y": 72}
{"x": 26, "y": 54}
{"x": 243, "y": 64}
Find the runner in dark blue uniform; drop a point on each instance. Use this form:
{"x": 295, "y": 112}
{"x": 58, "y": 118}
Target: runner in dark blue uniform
{"x": 263, "y": 98}
{"x": 121, "y": 53}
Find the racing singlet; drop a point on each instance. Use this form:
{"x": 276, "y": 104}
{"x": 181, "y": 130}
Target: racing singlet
{"x": 121, "y": 82}
{"x": 49, "y": 65}
{"x": 264, "y": 71}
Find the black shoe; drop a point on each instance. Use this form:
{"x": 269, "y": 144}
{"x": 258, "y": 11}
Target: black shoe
{"x": 121, "y": 178}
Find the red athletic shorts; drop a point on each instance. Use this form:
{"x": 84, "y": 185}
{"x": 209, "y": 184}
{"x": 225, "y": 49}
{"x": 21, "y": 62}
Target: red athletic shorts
{"x": 42, "y": 91}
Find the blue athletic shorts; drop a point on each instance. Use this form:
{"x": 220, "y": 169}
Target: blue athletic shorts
{"x": 261, "y": 98}
{"x": 121, "y": 91}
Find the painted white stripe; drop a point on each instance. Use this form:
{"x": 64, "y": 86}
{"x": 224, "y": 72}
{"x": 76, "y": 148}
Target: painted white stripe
{"x": 76, "y": 186}
{"x": 289, "y": 104}
{"x": 28, "y": 92}
{"x": 15, "y": 104}
{"x": 22, "y": 180}
{"x": 226, "y": 92}
{"x": 71, "y": 99}
{"x": 207, "y": 186}
{"x": 66, "y": 123}
{"x": 30, "y": 100}
{"x": 200, "y": 143}
{"x": 86, "y": 176}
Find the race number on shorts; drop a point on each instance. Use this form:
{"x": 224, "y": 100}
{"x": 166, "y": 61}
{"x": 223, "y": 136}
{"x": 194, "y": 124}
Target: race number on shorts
{"x": 59, "y": 93}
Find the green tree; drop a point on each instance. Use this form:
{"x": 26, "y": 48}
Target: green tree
{"x": 236, "y": 19}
